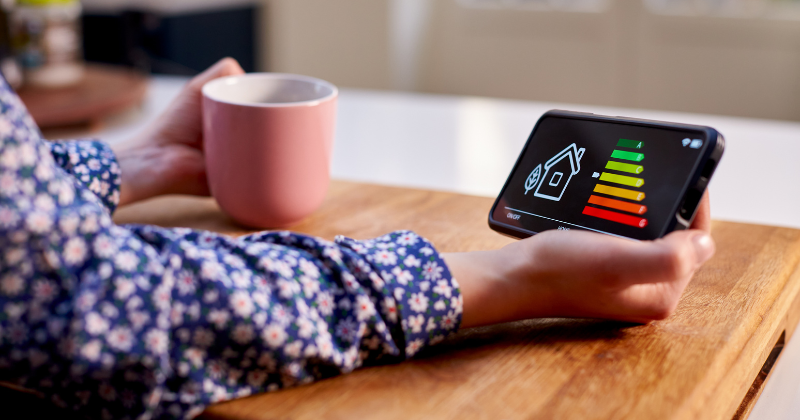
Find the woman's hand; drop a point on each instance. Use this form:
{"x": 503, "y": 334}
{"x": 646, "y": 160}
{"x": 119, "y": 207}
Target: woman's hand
{"x": 167, "y": 158}
{"x": 582, "y": 274}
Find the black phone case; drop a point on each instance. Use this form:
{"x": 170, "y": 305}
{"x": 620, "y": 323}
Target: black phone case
{"x": 683, "y": 209}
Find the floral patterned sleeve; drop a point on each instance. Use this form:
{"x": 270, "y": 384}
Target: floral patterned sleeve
{"x": 141, "y": 321}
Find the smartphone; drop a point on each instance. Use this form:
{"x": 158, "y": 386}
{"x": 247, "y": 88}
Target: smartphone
{"x": 617, "y": 176}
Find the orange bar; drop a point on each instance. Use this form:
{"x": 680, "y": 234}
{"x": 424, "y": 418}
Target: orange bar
{"x": 617, "y": 204}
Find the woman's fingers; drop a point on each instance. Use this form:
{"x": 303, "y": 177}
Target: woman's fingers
{"x": 225, "y": 67}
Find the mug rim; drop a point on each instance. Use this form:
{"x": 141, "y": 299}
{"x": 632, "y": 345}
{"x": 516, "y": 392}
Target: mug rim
{"x": 268, "y": 75}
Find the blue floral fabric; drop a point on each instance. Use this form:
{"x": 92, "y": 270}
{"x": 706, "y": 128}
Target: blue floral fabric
{"x": 147, "y": 322}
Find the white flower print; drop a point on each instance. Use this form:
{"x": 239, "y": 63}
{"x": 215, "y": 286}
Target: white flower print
{"x": 39, "y": 222}
{"x": 120, "y": 338}
{"x": 443, "y": 288}
{"x": 411, "y": 261}
{"x": 432, "y": 271}
{"x": 162, "y": 297}
{"x": 256, "y": 378}
{"x": 439, "y": 305}
{"x": 310, "y": 269}
{"x": 104, "y": 246}
{"x": 408, "y": 239}
{"x": 377, "y": 281}
{"x": 287, "y": 289}
{"x": 203, "y": 337}
{"x": 12, "y": 284}
{"x": 416, "y": 322}
{"x": 413, "y": 347}
{"x": 310, "y": 285}
{"x": 431, "y": 325}
{"x": 324, "y": 346}
{"x": 385, "y": 257}
{"x": 123, "y": 288}
{"x": 457, "y": 303}
{"x": 402, "y": 276}
{"x": 185, "y": 282}
{"x": 89, "y": 224}
{"x": 8, "y": 217}
{"x": 176, "y": 314}
{"x": 274, "y": 335}
{"x": 241, "y": 303}
{"x": 449, "y": 321}
{"x": 325, "y": 303}
{"x": 14, "y": 310}
{"x": 156, "y": 341}
{"x": 350, "y": 282}
{"x": 418, "y": 302}
{"x": 427, "y": 251}
{"x": 266, "y": 361}
{"x": 126, "y": 261}
{"x": 75, "y": 251}
{"x": 195, "y": 356}
{"x": 333, "y": 253}
{"x": 27, "y": 154}
{"x": 365, "y": 309}
{"x": 44, "y": 290}
{"x": 212, "y": 270}
{"x": 91, "y": 350}
{"x": 96, "y": 324}
{"x": 305, "y": 328}
{"x": 219, "y": 317}
{"x": 390, "y": 308}
{"x": 346, "y": 330}
{"x": 281, "y": 315}
{"x": 44, "y": 203}
{"x": 293, "y": 349}
{"x": 243, "y": 334}
{"x": 138, "y": 319}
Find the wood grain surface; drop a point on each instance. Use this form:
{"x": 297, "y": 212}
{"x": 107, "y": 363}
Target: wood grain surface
{"x": 698, "y": 364}
{"x": 103, "y": 91}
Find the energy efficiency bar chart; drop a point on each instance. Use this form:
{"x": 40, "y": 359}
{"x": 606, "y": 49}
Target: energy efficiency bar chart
{"x": 633, "y": 206}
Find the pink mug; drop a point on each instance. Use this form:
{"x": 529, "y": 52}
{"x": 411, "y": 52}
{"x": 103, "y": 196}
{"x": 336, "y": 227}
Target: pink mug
{"x": 268, "y": 142}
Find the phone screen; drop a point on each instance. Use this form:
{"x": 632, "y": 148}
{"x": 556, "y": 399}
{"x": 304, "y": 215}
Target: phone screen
{"x": 613, "y": 178}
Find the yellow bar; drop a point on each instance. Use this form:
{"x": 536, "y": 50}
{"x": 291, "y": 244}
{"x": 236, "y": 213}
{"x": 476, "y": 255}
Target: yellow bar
{"x": 619, "y": 192}
{"x": 624, "y": 167}
{"x": 622, "y": 179}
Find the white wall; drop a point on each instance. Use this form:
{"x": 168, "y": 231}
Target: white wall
{"x": 731, "y": 57}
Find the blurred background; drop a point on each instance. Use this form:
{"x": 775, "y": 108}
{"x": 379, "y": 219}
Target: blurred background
{"x": 729, "y": 57}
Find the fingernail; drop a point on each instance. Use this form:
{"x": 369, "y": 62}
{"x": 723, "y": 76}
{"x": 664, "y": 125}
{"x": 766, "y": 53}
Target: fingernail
{"x": 703, "y": 246}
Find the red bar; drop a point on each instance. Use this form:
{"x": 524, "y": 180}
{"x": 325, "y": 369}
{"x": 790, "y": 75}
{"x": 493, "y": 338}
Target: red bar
{"x": 617, "y": 204}
{"x": 615, "y": 217}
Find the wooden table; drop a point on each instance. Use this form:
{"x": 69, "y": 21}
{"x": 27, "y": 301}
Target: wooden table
{"x": 709, "y": 360}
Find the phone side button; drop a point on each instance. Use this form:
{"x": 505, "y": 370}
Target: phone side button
{"x": 690, "y": 203}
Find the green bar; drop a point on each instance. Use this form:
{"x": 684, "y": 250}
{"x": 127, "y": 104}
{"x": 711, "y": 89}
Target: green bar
{"x": 624, "y": 167}
{"x": 621, "y": 154}
{"x": 622, "y": 179}
{"x": 633, "y": 144}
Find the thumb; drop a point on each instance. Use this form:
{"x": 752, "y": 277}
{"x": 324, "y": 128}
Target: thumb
{"x": 225, "y": 67}
{"x": 677, "y": 255}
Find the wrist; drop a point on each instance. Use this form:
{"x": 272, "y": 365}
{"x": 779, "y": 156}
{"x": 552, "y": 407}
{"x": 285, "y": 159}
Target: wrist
{"x": 501, "y": 286}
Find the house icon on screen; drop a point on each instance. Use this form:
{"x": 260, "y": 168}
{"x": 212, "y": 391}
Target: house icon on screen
{"x": 558, "y": 171}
